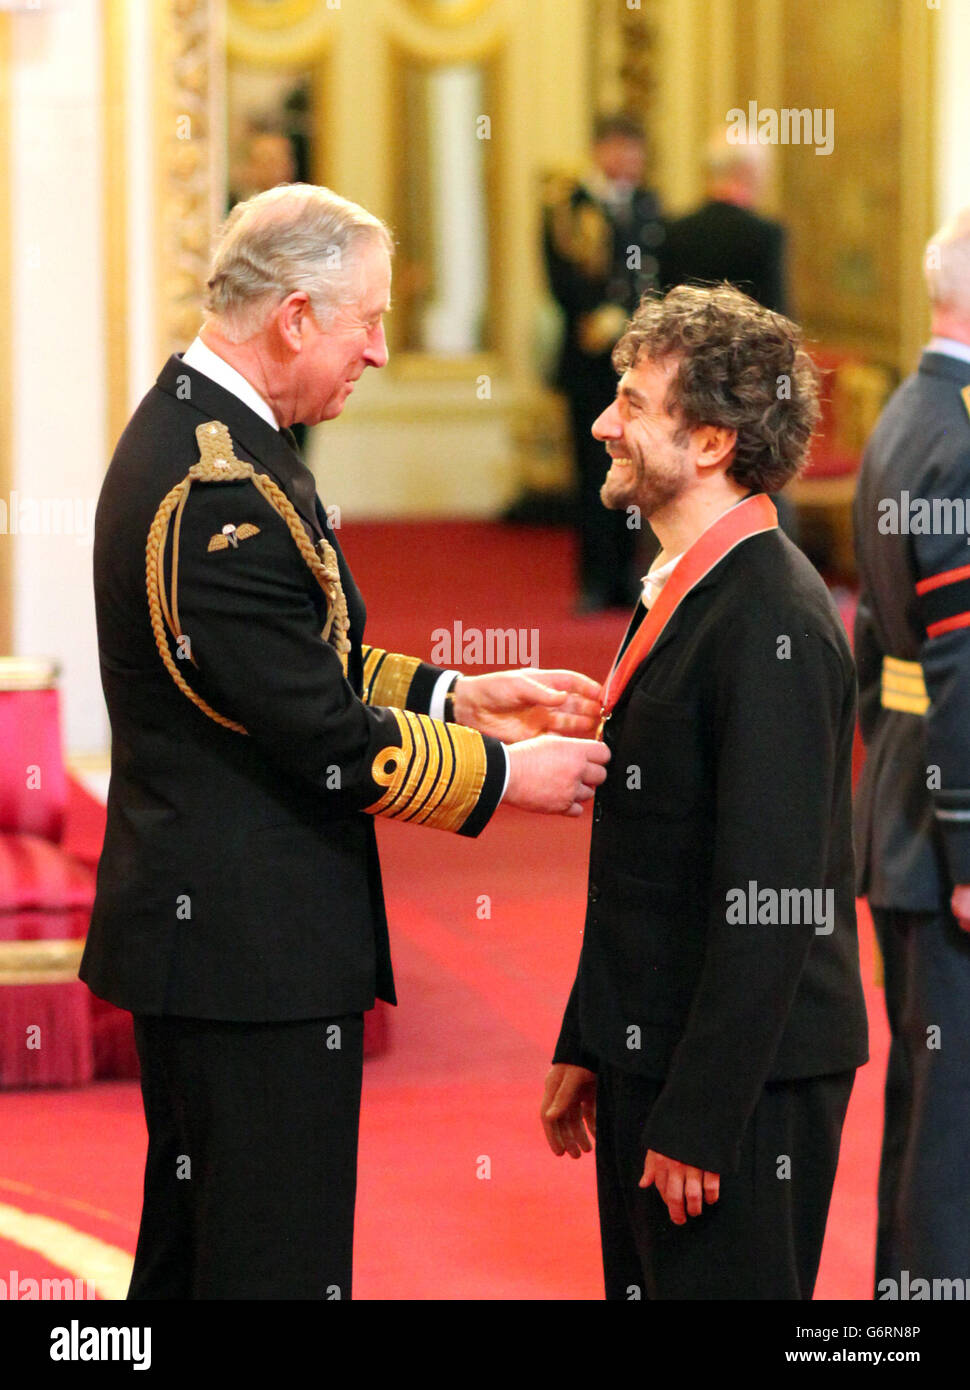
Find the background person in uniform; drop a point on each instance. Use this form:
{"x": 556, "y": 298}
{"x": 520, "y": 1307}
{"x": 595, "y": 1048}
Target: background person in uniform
{"x": 601, "y": 239}
{"x": 712, "y": 1034}
{"x": 912, "y": 643}
{"x": 239, "y": 913}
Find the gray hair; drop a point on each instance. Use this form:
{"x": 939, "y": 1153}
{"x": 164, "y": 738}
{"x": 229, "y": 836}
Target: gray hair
{"x": 946, "y": 266}
{"x": 297, "y": 236}
{"x": 746, "y": 159}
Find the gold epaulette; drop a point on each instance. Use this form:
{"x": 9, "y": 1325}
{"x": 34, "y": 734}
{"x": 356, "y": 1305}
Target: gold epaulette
{"x": 965, "y": 394}
{"x": 558, "y": 188}
{"x": 436, "y": 776}
{"x": 581, "y": 233}
{"x": 219, "y": 464}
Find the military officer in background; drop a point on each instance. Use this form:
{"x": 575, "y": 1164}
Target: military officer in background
{"x": 602, "y": 235}
{"x": 239, "y": 914}
{"x": 912, "y": 647}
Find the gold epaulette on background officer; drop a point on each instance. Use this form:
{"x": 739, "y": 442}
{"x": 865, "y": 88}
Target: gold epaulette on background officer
{"x": 902, "y": 686}
{"x": 578, "y": 228}
{"x": 218, "y": 464}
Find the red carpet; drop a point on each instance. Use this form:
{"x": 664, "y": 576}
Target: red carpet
{"x": 459, "y": 1198}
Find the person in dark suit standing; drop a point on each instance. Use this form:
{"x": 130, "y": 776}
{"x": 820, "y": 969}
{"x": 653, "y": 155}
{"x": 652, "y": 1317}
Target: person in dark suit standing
{"x": 717, "y": 1018}
{"x": 601, "y": 237}
{"x": 239, "y": 913}
{"x": 725, "y": 238}
{"x": 912, "y": 642}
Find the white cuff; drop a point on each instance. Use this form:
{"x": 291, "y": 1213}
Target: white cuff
{"x": 508, "y": 770}
{"x": 436, "y": 708}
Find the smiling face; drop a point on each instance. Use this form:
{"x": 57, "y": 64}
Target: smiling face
{"x": 649, "y": 469}
{"x": 334, "y": 357}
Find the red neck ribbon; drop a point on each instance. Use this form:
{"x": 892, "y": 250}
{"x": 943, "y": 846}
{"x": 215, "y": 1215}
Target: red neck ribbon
{"x": 748, "y": 518}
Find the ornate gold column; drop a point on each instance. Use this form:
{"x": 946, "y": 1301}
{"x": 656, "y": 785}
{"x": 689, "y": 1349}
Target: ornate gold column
{"x": 917, "y": 174}
{"x": 189, "y": 178}
{"x": 679, "y": 125}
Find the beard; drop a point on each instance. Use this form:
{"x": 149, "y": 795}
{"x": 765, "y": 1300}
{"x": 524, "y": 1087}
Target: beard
{"x": 632, "y": 483}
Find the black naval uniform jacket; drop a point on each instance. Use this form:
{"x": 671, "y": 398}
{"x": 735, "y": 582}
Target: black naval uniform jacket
{"x": 239, "y": 878}
{"x": 591, "y": 263}
{"x": 913, "y": 800}
{"x": 730, "y": 775}
{"x": 721, "y": 241}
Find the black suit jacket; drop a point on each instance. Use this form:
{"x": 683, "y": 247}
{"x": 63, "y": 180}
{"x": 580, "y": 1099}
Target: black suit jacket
{"x": 731, "y": 767}
{"x": 239, "y": 878}
{"x": 913, "y": 824}
{"x": 721, "y": 241}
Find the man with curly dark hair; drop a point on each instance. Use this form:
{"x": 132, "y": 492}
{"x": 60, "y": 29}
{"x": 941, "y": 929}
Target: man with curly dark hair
{"x": 711, "y": 1038}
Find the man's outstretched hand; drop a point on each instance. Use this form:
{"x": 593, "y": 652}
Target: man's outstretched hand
{"x": 680, "y": 1186}
{"x": 555, "y": 775}
{"x": 516, "y": 705}
{"x": 569, "y": 1109}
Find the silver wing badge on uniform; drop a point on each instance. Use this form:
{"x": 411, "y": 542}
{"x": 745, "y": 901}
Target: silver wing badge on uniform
{"x": 232, "y": 535}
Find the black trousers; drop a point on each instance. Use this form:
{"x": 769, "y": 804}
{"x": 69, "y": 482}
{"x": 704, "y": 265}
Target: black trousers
{"x": 762, "y": 1239}
{"x": 251, "y": 1172}
{"x": 924, "y": 1175}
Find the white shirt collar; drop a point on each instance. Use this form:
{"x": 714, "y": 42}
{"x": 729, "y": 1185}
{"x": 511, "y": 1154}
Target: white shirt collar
{"x": 217, "y": 369}
{"x": 950, "y": 347}
{"x": 655, "y": 578}
{"x": 604, "y": 190}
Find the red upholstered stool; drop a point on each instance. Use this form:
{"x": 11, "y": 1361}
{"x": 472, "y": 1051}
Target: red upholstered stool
{"x": 45, "y": 894}
{"x": 112, "y": 1031}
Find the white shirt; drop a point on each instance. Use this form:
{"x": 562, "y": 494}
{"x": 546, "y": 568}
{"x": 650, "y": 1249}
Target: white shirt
{"x": 655, "y": 578}
{"x": 950, "y": 347}
{"x": 217, "y": 369}
{"x": 618, "y": 197}
{"x": 657, "y": 575}
{"x": 202, "y": 359}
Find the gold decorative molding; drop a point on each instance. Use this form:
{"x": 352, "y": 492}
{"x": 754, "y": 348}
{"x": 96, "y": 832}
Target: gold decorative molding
{"x": 303, "y": 48}
{"x": 114, "y": 156}
{"x": 277, "y": 14}
{"x": 430, "y": 366}
{"x": 6, "y": 355}
{"x": 28, "y": 673}
{"x": 468, "y": 38}
{"x": 638, "y": 59}
{"x": 624, "y": 43}
{"x": 450, "y": 15}
{"x": 40, "y": 962}
{"x": 287, "y": 32}
{"x": 187, "y": 163}
{"x": 918, "y": 167}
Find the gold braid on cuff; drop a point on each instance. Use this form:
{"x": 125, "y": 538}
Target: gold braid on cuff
{"x": 218, "y": 464}
{"x": 435, "y": 777}
{"x": 388, "y": 677}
